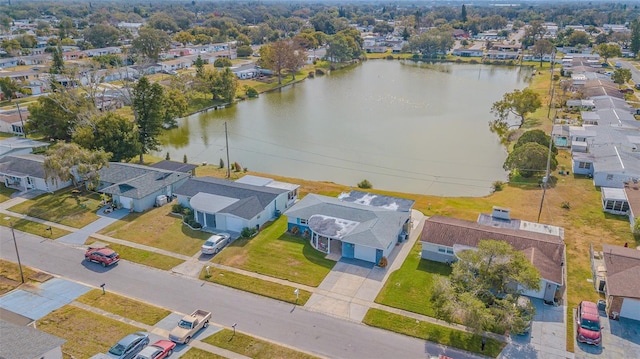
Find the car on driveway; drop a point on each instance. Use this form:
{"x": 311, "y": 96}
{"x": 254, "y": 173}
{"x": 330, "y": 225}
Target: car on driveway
{"x": 129, "y": 346}
{"x": 158, "y": 350}
{"x": 626, "y": 90}
{"x": 103, "y": 256}
{"x": 588, "y": 329}
{"x": 215, "y": 243}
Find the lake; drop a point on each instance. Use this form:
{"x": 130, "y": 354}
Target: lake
{"x": 415, "y": 128}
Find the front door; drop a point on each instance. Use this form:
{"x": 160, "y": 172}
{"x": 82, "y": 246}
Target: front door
{"x": 347, "y": 250}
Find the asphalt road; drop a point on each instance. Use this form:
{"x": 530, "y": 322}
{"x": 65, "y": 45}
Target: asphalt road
{"x": 281, "y": 322}
{"x": 635, "y": 73}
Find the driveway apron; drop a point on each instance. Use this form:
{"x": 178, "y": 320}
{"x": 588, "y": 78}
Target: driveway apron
{"x": 80, "y": 236}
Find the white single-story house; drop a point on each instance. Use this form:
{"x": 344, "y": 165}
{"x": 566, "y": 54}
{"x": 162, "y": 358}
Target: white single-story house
{"x": 224, "y": 205}
{"x": 27, "y": 342}
{"x": 26, "y": 172}
{"x": 136, "y": 187}
{"x": 622, "y": 281}
{"x": 543, "y": 245}
{"x": 356, "y": 225}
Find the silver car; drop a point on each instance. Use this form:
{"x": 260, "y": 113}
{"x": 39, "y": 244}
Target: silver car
{"x": 215, "y": 243}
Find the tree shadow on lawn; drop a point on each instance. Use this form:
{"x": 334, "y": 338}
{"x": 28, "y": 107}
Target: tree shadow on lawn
{"x": 311, "y": 254}
{"x": 433, "y": 267}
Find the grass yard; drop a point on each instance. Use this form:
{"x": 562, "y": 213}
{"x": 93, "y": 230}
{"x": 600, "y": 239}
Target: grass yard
{"x": 10, "y": 275}
{"x": 158, "y": 228}
{"x": 36, "y": 228}
{"x": 124, "y": 307}
{"x": 252, "y": 347}
{"x": 86, "y": 333}
{"x": 276, "y": 254}
{"x": 141, "y": 256}
{"x": 5, "y": 193}
{"x": 409, "y": 287}
{"x": 261, "y": 287}
{"x": 195, "y": 353}
{"x": 432, "y": 332}
{"x": 63, "y": 206}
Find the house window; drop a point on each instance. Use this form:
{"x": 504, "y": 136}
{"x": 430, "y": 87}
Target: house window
{"x": 445, "y": 250}
{"x": 303, "y": 221}
{"x": 609, "y": 205}
{"x": 609, "y": 177}
{"x": 585, "y": 165}
{"x": 449, "y": 250}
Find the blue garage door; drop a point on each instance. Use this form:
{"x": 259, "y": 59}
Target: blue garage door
{"x": 347, "y": 250}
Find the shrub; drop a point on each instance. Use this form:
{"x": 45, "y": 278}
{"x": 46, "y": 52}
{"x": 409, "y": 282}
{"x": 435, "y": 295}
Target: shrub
{"x": 364, "y": 184}
{"x": 167, "y": 157}
{"x": 498, "y": 186}
{"x": 473, "y": 61}
{"x": 389, "y": 57}
{"x": 222, "y": 62}
{"x": 236, "y": 167}
{"x": 221, "y": 163}
{"x": 566, "y": 205}
{"x": 295, "y": 230}
{"x": 187, "y": 212}
{"x": 251, "y": 92}
{"x": 311, "y": 75}
{"x": 177, "y": 208}
{"x": 383, "y": 262}
{"x": 248, "y": 232}
{"x": 184, "y": 159}
{"x": 319, "y": 72}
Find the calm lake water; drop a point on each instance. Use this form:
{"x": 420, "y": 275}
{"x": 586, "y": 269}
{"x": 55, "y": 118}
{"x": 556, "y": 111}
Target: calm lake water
{"x": 406, "y": 127}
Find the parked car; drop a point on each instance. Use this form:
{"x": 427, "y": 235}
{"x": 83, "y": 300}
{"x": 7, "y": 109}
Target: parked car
{"x": 588, "y": 329}
{"x": 189, "y": 325}
{"x": 637, "y": 86}
{"x": 215, "y": 243}
{"x": 103, "y": 256}
{"x": 129, "y": 346}
{"x": 158, "y": 350}
{"x": 626, "y": 90}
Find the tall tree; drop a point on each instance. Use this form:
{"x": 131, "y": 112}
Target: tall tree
{"x": 276, "y": 56}
{"x": 9, "y": 87}
{"x": 199, "y": 65}
{"x": 147, "y": 110}
{"x": 338, "y": 49}
{"x": 608, "y": 51}
{"x": 175, "y": 105}
{"x": 70, "y": 162}
{"x": 519, "y": 103}
{"x": 113, "y": 134}
{"x": 543, "y": 47}
{"x": 150, "y": 42}
{"x": 102, "y": 35}
{"x": 57, "y": 61}
{"x": 55, "y": 116}
{"x": 463, "y": 13}
{"x": 634, "y": 46}
{"x": 530, "y": 159}
{"x": 480, "y": 293}
{"x": 620, "y": 76}
{"x": 537, "y": 136}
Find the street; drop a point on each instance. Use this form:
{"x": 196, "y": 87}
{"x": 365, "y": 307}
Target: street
{"x": 262, "y": 317}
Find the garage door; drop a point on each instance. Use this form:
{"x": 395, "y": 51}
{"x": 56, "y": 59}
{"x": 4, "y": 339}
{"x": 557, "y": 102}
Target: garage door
{"x": 630, "y": 309}
{"x": 235, "y": 224}
{"x": 365, "y": 253}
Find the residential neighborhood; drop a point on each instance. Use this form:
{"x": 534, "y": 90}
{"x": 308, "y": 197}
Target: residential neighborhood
{"x": 175, "y": 145}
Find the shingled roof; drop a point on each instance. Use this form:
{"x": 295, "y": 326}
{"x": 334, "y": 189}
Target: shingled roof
{"x": 545, "y": 251}
{"x": 23, "y": 165}
{"x": 26, "y": 342}
{"x": 136, "y": 181}
{"x": 623, "y": 271}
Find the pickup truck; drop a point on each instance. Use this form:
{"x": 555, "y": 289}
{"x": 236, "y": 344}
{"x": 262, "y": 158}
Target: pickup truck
{"x": 189, "y": 325}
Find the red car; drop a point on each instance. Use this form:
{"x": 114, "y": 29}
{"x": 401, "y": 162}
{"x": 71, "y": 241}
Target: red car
{"x": 588, "y": 329}
{"x": 158, "y": 350}
{"x": 104, "y": 256}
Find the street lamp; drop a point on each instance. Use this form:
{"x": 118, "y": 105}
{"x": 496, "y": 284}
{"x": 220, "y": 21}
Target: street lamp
{"x": 13, "y": 233}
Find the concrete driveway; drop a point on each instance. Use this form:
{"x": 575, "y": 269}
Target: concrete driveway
{"x": 620, "y": 339}
{"x": 547, "y": 338}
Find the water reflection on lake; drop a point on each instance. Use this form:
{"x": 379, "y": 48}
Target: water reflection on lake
{"x": 408, "y": 127}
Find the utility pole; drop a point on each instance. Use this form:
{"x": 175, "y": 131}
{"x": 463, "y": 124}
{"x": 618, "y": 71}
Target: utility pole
{"x": 13, "y": 233}
{"x": 226, "y": 139}
{"x": 24, "y": 132}
{"x": 546, "y": 176}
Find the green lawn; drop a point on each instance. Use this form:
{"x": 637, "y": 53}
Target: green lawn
{"x": 124, "y": 307}
{"x": 409, "y": 287}
{"x": 195, "y": 353}
{"x": 5, "y": 193}
{"x": 86, "y": 333}
{"x": 63, "y": 206}
{"x": 250, "y": 284}
{"x": 32, "y": 227}
{"x": 276, "y": 254}
{"x": 252, "y": 347}
{"x": 141, "y": 256}
{"x": 432, "y": 332}
{"x": 158, "y": 228}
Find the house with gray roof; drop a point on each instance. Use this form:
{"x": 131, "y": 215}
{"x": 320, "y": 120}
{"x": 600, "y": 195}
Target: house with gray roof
{"x": 22, "y": 342}
{"x": 175, "y": 166}
{"x": 136, "y": 187}
{"x": 26, "y": 172}
{"x": 357, "y": 225}
{"x": 224, "y": 205}
{"x": 443, "y": 237}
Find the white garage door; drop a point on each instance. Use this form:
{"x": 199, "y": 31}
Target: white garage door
{"x": 235, "y": 224}
{"x": 365, "y": 253}
{"x": 126, "y": 202}
{"x": 630, "y": 309}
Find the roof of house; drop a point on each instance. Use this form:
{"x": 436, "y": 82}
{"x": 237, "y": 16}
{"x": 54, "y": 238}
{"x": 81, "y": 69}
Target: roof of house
{"x": 355, "y": 223}
{"x": 623, "y": 270}
{"x": 613, "y": 194}
{"x": 251, "y": 199}
{"x": 136, "y": 181}
{"x": 267, "y": 182}
{"x": 546, "y": 252}
{"x": 25, "y": 342}
{"x": 16, "y": 143}
{"x": 174, "y": 166}
{"x": 632, "y": 191}
{"x": 23, "y": 165}
{"x": 378, "y": 200}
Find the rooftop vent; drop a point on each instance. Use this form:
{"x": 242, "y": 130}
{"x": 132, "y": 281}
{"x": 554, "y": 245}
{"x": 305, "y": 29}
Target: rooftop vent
{"x": 501, "y": 213}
